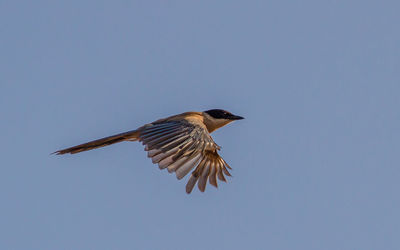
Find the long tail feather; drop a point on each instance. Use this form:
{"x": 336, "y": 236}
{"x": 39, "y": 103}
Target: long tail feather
{"x": 127, "y": 136}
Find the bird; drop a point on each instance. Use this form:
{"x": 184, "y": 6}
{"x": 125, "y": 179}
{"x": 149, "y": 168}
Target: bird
{"x": 178, "y": 143}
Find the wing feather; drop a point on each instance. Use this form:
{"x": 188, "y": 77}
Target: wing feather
{"x": 153, "y": 130}
{"x": 185, "y": 168}
{"x": 161, "y": 136}
{"x": 179, "y": 142}
{"x": 221, "y": 176}
{"x": 191, "y": 183}
{"x": 203, "y": 177}
{"x": 213, "y": 174}
{"x": 159, "y": 155}
{"x": 181, "y": 146}
{"x": 195, "y": 176}
{"x": 171, "y": 140}
{"x": 176, "y": 164}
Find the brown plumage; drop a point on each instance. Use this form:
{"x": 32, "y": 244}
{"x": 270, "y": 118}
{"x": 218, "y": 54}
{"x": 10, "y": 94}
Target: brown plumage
{"x": 178, "y": 143}
{"x": 127, "y": 136}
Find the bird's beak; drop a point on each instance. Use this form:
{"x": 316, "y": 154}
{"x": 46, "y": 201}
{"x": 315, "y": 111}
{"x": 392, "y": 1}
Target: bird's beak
{"x": 236, "y": 117}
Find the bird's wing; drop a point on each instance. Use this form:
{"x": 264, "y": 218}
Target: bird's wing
{"x": 181, "y": 146}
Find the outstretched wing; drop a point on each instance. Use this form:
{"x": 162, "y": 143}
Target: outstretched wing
{"x": 181, "y": 146}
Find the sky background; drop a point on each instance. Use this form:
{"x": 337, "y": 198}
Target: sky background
{"x": 315, "y": 163}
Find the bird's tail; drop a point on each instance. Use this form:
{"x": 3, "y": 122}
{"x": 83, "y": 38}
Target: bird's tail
{"x": 127, "y": 136}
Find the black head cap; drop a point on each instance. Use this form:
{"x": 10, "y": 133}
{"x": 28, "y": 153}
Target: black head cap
{"x": 222, "y": 114}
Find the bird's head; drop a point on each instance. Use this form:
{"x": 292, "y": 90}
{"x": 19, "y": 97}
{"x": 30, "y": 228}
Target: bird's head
{"x": 216, "y": 118}
{"x": 222, "y": 114}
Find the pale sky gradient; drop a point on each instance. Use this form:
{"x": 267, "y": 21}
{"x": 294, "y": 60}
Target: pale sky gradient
{"x": 316, "y": 162}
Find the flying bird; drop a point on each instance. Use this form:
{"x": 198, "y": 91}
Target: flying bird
{"x": 179, "y": 143}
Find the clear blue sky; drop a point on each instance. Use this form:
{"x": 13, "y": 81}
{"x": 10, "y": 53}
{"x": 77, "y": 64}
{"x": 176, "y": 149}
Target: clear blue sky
{"x": 315, "y": 163}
